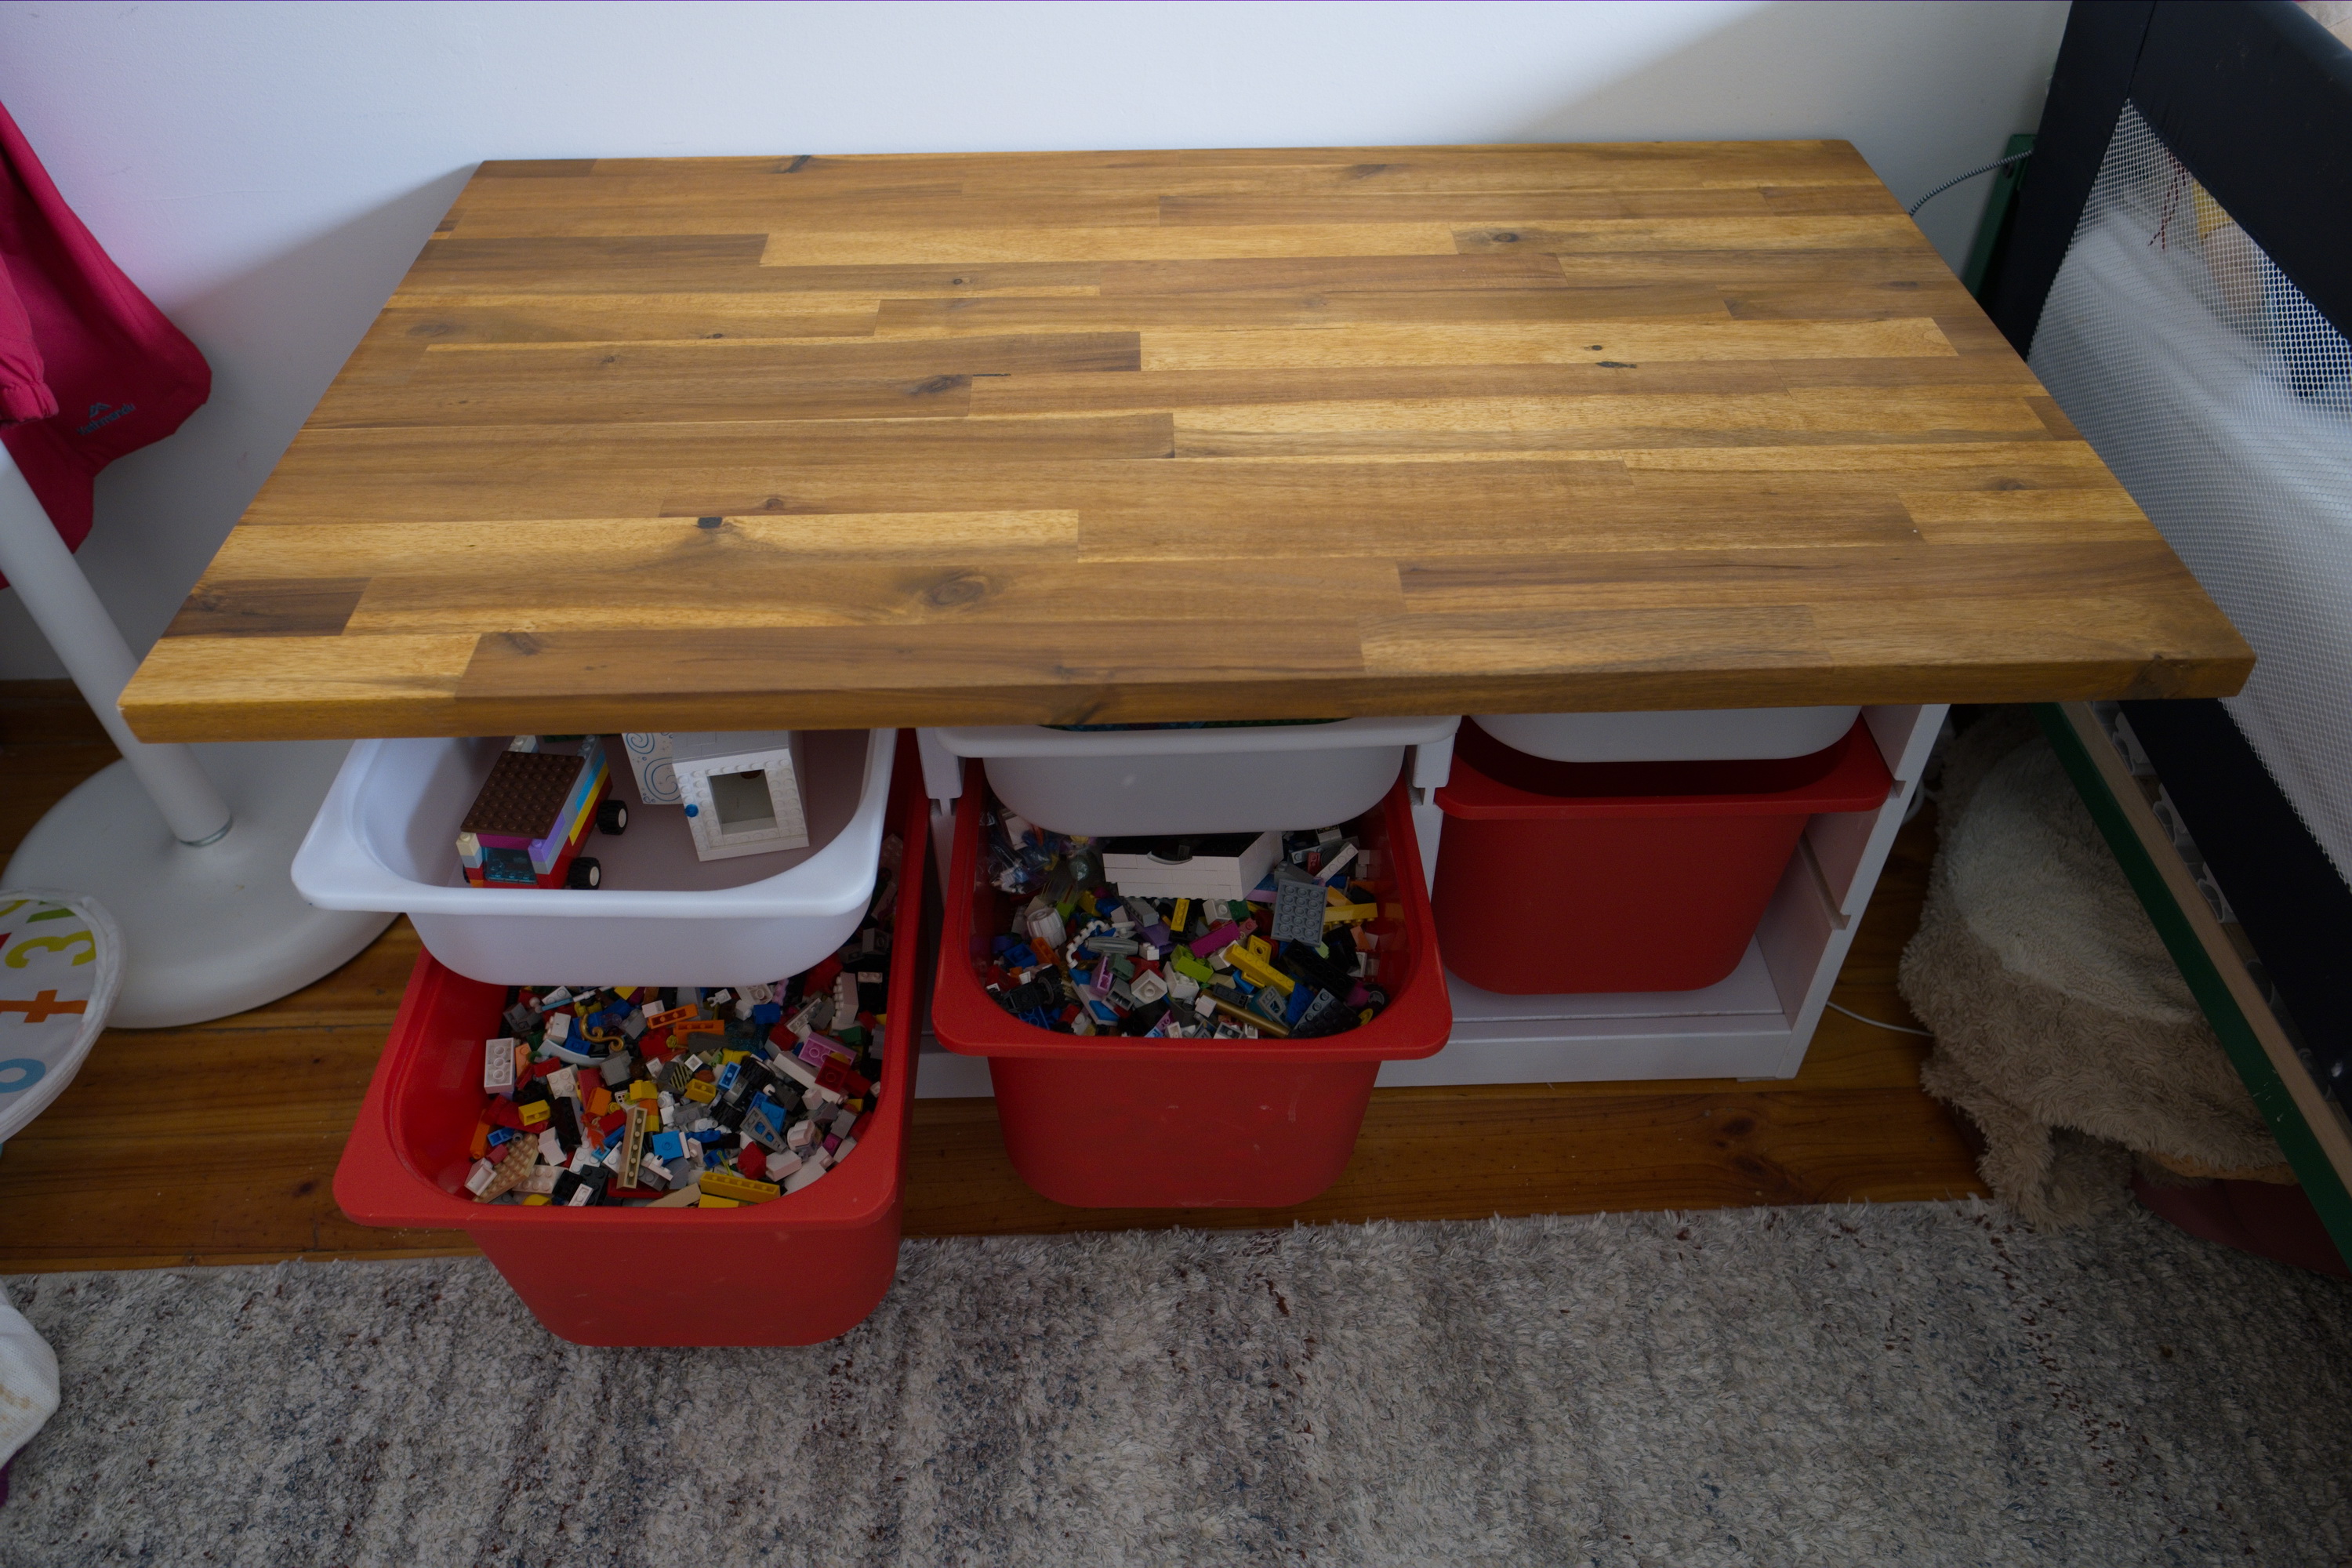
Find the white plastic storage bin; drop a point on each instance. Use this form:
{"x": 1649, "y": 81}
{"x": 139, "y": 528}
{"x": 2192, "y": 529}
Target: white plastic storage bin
{"x": 1697, "y": 735}
{"x": 385, "y": 839}
{"x": 1240, "y": 780}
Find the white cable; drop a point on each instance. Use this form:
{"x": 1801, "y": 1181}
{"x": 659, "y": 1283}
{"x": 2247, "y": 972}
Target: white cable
{"x": 1880, "y": 1024}
{"x": 1912, "y": 210}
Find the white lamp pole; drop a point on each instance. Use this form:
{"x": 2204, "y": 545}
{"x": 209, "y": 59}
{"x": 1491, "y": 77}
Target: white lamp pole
{"x": 196, "y": 875}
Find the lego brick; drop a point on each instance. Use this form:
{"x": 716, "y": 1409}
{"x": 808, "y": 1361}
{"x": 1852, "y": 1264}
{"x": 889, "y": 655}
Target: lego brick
{"x": 633, "y": 1145}
{"x": 649, "y": 762}
{"x": 524, "y": 796}
{"x": 742, "y": 792}
{"x": 1298, "y": 905}
{"x": 728, "y": 1185}
{"x": 1221, "y": 866}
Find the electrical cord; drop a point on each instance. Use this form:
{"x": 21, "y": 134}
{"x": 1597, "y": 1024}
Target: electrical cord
{"x": 1899, "y": 1029}
{"x": 1912, "y": 210}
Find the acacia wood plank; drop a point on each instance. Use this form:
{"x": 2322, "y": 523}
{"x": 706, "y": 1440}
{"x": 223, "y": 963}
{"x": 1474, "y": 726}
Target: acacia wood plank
{"x": 1178, "y": 434}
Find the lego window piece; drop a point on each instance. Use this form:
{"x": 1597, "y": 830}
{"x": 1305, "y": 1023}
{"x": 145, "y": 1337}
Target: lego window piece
{"x": 741, "y": 790}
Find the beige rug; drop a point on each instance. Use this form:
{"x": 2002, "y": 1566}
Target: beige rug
{"x": 2062, "y": 1028}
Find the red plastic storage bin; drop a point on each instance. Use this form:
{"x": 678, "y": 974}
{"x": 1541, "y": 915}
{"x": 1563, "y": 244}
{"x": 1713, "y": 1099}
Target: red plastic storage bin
{"x": 1100, "y": 1122}
{"x": 801, "y": 1268}
{"x": 1564, "y": 877}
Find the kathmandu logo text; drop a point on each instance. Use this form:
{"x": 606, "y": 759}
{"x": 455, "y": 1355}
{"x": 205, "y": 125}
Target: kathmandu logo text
{"x": 105, "y": 414}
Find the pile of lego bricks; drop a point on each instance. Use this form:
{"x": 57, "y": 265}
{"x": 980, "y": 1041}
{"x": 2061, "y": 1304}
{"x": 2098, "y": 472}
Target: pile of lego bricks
{"x": 675, "y": 1096}
{"x": 1291, "y": 958}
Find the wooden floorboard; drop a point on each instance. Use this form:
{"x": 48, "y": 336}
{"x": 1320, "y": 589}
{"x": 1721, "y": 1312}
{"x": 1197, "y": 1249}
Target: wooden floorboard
{"x": 216, "y": 1143}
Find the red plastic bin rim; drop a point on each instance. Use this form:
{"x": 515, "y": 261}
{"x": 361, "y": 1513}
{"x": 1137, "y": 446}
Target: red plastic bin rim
{"x": 1849, "y": 775}
{"x": 850, "y": 1198}
{"x": 968, "y": 1022}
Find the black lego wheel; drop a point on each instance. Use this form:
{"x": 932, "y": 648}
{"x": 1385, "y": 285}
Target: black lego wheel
{"x": 613, "y": 817}
{"x": 585, "y": 873}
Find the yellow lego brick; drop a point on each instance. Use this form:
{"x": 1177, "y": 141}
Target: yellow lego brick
{"x": 535, "y": 1113}
{"x": 743, "y": 1189}
{"x": 706, "y": 1201}
{"x": 702, "y": 1090}
{"x": 643, "y": 1091}
{"x": 536, "y": 1200}
{"x": 1348, "y": 914}
{"x": 1255, "y": 969}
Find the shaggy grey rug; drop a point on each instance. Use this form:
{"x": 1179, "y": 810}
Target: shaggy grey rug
{"x": 1901, "y": 1383}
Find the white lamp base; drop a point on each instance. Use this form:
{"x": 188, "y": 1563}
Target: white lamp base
{"x": 206, "y": 932}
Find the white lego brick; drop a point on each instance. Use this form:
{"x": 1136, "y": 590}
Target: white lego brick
{"x": 650, "y": 763}
{"x": 730, "y": 814}
{"x": 1218, "y": 869}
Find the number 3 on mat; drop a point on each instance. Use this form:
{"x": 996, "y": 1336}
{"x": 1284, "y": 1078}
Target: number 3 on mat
{"x": 21, "y": 954}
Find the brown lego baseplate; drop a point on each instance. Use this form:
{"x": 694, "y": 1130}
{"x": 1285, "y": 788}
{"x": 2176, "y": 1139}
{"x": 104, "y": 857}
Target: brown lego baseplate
{"x": 524, "y": 794}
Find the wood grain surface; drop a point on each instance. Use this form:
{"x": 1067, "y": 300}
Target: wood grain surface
{"x": 234, "y": 1128}
{"x": 850, "y": 441}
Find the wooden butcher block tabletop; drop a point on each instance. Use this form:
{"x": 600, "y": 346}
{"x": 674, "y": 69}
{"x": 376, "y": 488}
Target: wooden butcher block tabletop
{"x": 843, "y": 441}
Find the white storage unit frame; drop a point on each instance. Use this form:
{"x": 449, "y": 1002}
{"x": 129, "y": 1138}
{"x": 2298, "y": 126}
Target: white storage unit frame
{"x": 1756, "y": 1023}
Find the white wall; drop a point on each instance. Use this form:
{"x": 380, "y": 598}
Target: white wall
{"x": 267, "y": 171}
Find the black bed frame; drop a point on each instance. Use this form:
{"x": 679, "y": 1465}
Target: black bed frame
{"x": 2256, "y": 99}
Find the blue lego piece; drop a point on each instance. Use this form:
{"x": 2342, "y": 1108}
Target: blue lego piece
{"x": 767, "y": 1014}
{"x": 764, "y": 1121}
{"x": 727, "y": 1075}
{"x": 668, "y": 1146}
{"x": 1298, "y": 1002}
{"x": 500, "y": 1136}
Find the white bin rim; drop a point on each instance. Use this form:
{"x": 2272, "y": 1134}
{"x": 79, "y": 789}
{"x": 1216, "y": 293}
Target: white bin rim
{"x": 335, "y": 869}
{"x": 1042, "y": 741}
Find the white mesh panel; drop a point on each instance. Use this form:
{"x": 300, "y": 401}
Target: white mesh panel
{"x": 2224, "y": 401}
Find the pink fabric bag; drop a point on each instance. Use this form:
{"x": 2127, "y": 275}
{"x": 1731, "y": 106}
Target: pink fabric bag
{"x": 89, "y": 369}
